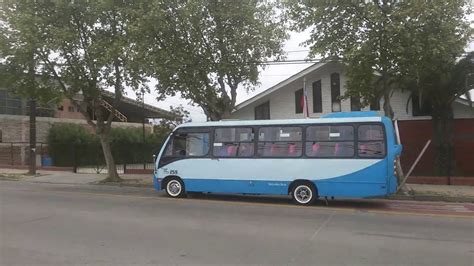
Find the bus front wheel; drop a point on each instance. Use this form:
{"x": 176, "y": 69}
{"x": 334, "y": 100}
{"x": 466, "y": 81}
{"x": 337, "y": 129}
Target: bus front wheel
{"x": 304, "y": 193}
{"x": 175, "y": 188}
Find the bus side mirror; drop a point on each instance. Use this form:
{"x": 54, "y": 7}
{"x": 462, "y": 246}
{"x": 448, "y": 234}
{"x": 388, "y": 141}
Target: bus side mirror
{"x": 154, "y": 157}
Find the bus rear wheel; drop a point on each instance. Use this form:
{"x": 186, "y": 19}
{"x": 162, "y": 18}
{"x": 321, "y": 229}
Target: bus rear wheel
{"x": 175, "y": 188}
{"x": 304, "y": 193}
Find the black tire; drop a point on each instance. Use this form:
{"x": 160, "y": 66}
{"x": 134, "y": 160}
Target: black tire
{"x": 175, "y": 188}
{"x": 304, "y": 193}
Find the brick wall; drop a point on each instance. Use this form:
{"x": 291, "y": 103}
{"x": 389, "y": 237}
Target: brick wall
{"x": 68, "y": 110}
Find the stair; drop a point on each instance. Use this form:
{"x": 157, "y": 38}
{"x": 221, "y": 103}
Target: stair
{"x": 117, "y": 114}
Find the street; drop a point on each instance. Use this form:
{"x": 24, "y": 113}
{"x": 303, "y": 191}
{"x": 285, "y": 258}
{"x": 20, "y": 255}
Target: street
{"x": 51, "y": 224}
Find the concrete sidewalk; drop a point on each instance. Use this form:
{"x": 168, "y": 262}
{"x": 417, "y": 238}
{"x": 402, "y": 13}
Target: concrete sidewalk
{"x": 59, "y": 177}
{"x": 448, "y": 193}
{"x": 417, "y": 191}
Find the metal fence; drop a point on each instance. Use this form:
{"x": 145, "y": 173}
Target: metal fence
{"x": 18, "y": 153}
{"x": 82, "y": 158}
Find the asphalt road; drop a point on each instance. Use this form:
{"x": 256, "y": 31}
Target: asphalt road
{"x": 45, "y": 224}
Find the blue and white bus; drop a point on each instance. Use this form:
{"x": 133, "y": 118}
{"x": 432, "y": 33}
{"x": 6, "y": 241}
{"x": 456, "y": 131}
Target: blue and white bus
{"x": 347, "y": 155}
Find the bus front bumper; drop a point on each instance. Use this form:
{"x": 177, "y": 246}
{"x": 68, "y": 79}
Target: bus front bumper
{"x": 156, "y": 183}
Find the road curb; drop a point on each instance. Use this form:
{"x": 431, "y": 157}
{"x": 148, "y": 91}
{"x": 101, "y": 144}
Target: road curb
{"x": 120, "y": 184}
{"x": 432, "y": 198}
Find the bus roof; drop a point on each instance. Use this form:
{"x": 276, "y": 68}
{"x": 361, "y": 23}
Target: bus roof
{"x": 281, "y": 122}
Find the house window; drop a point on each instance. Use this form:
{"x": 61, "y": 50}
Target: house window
{"x": 375, "y": 104}
{"x": 262, "y": 112}
{"x": 335, "y": 92}
{"x": 61, "y": 108}
{"x": 299, "y": 101}
{"x": 71, "y": 109}
{"x": 11, "y": 105}
{"x": 420, "y": 108}
{"x": 317, "y": 97}
{"x": 355, "y": 103}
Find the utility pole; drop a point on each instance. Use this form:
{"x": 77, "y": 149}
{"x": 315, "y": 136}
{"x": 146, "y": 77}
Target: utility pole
{"x": 32, "y": 165}
{"x": 143, "y": 129}
{"x": 33, "y": 96}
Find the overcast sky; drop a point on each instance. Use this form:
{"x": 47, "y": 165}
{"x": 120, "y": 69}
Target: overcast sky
{"x": 270, "y": 76}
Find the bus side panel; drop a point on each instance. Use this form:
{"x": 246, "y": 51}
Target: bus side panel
{"x": 333, "y": 177}
{"x": 236, "y": 186}
{"x": 370, "y": 181}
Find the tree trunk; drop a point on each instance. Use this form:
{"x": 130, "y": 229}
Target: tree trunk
{"x": 217, "y": 115}
{"x": 226, "y": 114}
{"x": 443, "y": 140}
{"x": 112, "y": 175}
{"x": 387, "y": 107}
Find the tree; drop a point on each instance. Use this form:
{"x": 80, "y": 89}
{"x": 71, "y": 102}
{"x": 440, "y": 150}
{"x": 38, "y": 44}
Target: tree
{"x": 432, "y": 66}
{"x": 408, "y": 45}
{"x": 362, "y": 34}
{"x": 205, "y": 49}
{"x": 83, "y": 47}
{"x": 19, "y": 66}
{"x": 178, "y": 116}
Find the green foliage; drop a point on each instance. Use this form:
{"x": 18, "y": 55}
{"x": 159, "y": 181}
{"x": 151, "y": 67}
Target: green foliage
{"x": 20, "y": 69}
{"x": 431, "y": 44}
{"x": 70, "y": 134}
{"x": 77, "y": 47}
{"x": 72, "y": 143}
{"x": 179, "y": 116}
{"x": 390, "y": 39}
{"x": 205, "y": 49}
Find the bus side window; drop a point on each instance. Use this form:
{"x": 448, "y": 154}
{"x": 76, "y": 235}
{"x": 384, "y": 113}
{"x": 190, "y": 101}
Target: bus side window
{"x": 280, "y": 141}
{"x": 371, "y": 141}
{"x": 330, "y": 141}
{"x": 188, "y": 145}
{"x": 233, "y": 142}
{"x": 315, "y": 148}
{"x": 245, "y": 149}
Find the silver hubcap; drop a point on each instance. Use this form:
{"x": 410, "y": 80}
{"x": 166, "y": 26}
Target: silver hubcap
{"x": 303, "y": 194}
{"x": 174, "y": 188}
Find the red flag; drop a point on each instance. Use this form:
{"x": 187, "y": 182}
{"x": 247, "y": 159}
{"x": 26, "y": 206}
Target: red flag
{"x": 304, "y": 103}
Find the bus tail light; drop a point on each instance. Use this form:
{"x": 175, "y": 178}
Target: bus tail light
{"x": 395, "y": 167}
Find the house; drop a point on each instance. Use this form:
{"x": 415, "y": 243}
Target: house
{"x": 14, "y": 121}
{"x": 325, "y": 82}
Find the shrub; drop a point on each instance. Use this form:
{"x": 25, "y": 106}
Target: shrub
{"x": 72, "y": 144}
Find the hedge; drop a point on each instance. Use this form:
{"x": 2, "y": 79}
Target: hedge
{"x": 74, "y": 145}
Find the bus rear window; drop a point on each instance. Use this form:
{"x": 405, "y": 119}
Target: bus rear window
{"x": 371, "y": 141}
{"x": 188, "y": 145}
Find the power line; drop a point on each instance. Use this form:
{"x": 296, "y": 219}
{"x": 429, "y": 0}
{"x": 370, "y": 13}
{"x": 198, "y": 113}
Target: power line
{"x": 297, "y": 51}
{"x": 290, "y": 62}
